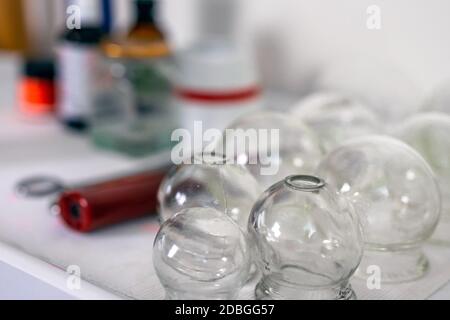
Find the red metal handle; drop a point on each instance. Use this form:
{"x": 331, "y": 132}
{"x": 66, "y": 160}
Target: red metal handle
{"x": 92, "y": 207}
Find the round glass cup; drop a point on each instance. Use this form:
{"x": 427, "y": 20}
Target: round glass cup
{"x": 309, "y": 241}
{"x": 396, "y": 196}
{"x": 201, "y": 254}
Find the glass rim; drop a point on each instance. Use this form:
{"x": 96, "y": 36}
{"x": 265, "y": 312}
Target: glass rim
{"x": 304, "y": 182}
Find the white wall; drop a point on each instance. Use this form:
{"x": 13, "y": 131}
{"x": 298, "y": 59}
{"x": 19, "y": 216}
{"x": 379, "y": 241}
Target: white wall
{"x": 296, "y": 36}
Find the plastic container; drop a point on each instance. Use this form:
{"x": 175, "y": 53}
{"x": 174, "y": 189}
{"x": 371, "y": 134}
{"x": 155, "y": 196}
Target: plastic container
{"x": 216, "y": 83}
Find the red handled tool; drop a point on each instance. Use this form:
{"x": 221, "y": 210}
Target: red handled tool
{"x": 95, "y": 205}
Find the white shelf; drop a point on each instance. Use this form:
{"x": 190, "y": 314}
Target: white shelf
{"x": 25, "y": 277}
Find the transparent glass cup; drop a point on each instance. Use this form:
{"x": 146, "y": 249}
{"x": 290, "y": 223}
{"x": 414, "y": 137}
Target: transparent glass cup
{"x": 396, "y": 196}
{"x": 209, "y": 180}
{"x": 271, "y": 145}
{"x": 201, "y": 254}
{"x": 429, "y": 134}
{"x": 309, "y": 241}
{"x": 384, "y": 87}
{"x": 335, "y": 118}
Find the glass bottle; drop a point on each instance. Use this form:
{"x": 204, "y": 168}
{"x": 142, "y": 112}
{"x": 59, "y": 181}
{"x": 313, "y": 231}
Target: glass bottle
{"x": 145, "y": 27}
{"x": 133, "y": 112}
{"x": 78, "y": 58}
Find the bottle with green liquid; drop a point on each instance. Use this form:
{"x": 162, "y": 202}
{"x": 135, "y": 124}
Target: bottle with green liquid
{"x": 133, "y": 113}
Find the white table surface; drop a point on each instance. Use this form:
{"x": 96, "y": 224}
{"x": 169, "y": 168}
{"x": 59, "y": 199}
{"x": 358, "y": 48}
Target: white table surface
{"x": 23, "y": 146}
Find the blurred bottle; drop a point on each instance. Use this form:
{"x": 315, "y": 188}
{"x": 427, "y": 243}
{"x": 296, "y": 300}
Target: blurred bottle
{"x": 107, "y": 16}
{"x": 217, "y": 78}
{"x": 147, "y": 52}
{"x": 217, "y": 83}
{"x": 132, "y": 112}
{"x": 37, "y": 87}
{"x": 218, "y": 19}
{"x": 40, "y": 24}
{"x": 145, "y": 27}
{"x": 78, "y": 59}
{"x": 12, "y": 27}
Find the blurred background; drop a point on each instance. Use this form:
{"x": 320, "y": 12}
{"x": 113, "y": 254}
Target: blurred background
{"x": 292, "y": 39}
{"x": 298, "y": 34}
{"x": 294, "y": 46}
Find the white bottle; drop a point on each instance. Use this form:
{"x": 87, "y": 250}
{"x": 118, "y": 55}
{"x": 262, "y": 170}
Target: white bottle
{"x": 78, "y": 59}
{"x": 217, "y": 82}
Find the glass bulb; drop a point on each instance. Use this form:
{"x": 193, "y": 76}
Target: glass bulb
{"x": 335, "y": 118}
{"x": 396, "y": 197}
{"x": 271, "y": 145}
{"x": 429, "y": 134}
{"x": 309, "y": 241}
{"x": 210, "y": 181}
{"x": 386, "y": 89}
{"x": 201, "y": 254}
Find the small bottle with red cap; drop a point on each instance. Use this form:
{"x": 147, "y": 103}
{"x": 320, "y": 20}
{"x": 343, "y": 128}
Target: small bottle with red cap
{"x": 36, "y": 92}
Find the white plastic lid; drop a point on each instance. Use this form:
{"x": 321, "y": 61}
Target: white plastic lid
{"x": 215, "y": 65}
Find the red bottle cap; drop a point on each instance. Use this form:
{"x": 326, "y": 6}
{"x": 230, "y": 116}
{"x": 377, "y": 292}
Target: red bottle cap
{"x": 37, "y": 87}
